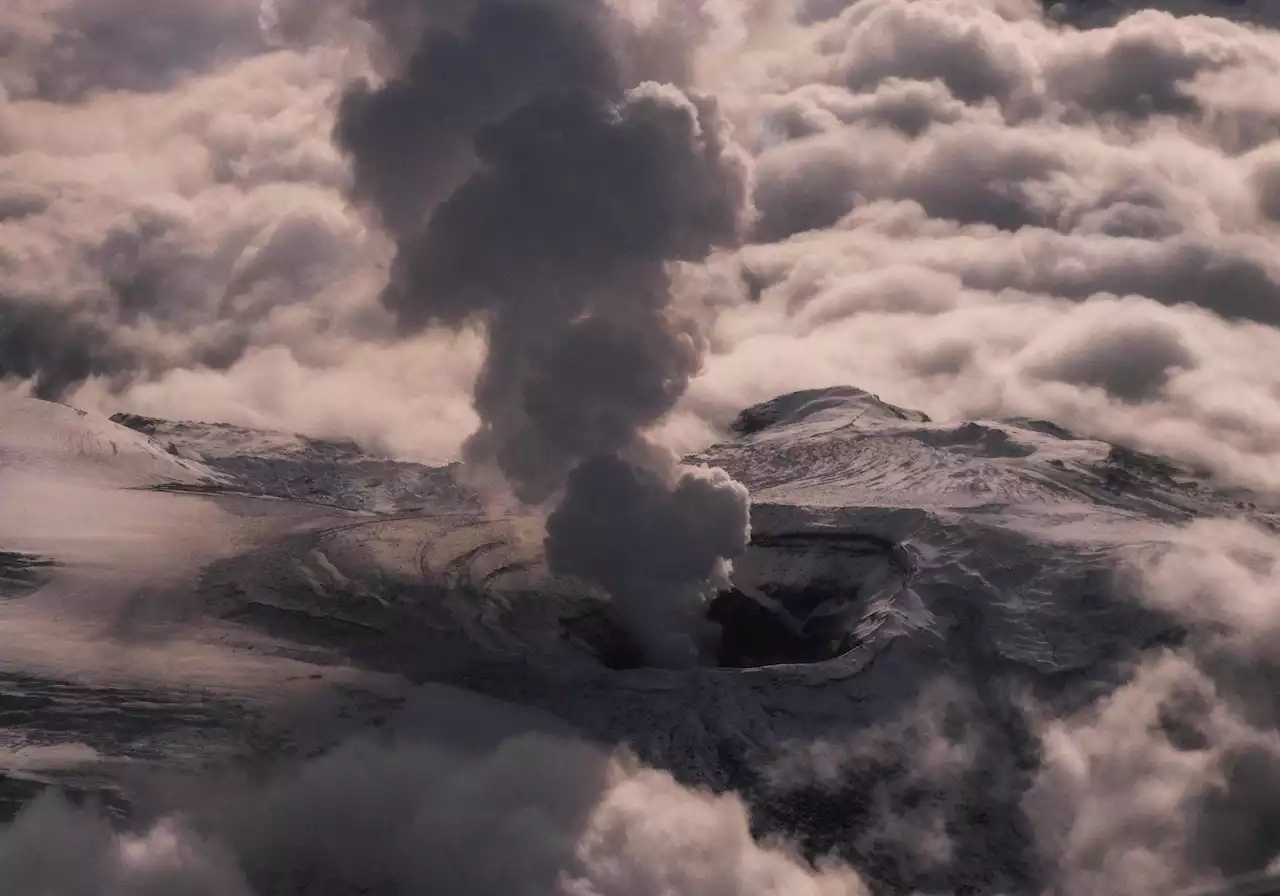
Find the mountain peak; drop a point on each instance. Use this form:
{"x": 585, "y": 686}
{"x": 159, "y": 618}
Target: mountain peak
{"x": 834, "y": 404}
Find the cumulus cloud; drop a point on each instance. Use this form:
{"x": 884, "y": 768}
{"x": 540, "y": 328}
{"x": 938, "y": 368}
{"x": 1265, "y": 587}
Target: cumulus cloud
{"x": 537, "y": 815}
{"x": 165, "y": 246}
{"x": 61, "y": 50}
{"x": 913, "y": 776}
{"x": 1171, "y": 781}
{"x": 1124, "y": 351}
{"x": 171, "y": 219}
{"x": 173, "y": 230}
{"x": 1158, "y": 776}
{"x": 956, "y": 215}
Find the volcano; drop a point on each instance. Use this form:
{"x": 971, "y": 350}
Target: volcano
{"x": 181, "y": 596}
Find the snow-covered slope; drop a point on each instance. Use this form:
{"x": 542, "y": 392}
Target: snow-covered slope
{"x": 895, "y": 562}
{"x": 107, "y": 661}
{"x": 45, "y": 438}
{"x": 292, "y": 466}
{"x": 825, "y": 447}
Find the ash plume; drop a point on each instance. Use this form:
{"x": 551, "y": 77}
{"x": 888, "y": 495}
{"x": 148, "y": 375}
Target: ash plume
{"x": 540, "y": 184}
{"x": 659, "y": 541}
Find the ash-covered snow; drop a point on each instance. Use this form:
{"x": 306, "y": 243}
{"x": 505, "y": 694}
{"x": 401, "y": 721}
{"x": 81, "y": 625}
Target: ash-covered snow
{"x": 896, "y": 562}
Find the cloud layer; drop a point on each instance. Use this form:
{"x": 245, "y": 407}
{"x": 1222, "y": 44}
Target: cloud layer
{"x": 536, "y": 816}
{"x": 1171, "y": 781}
{"x": 1006, "y": 213}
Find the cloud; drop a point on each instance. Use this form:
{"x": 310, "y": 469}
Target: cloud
{"x": 173, "y": 224}
{"x": 535, "y": 815}
{"x": 1155, "y": 776}
{"x": 166, "y": 236}
{"x": 911, "y": 776}
{"x": 410, "y": 400}
{"x": 62, "y": 50}
{"x": 1105, "y": 14}
{"x": 1052, "y": 201}
{"x": 1171, "y": 781}
{"x": 932, "y": 42}
{"x": 1131, "y": 356}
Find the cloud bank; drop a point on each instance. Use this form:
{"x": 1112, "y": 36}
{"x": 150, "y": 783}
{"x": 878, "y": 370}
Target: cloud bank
{"x": 1171, "y": 781}
{"x": 1006, "y": 214}
{"x": 972, "y": 192}
{"x": 536, "y": 816}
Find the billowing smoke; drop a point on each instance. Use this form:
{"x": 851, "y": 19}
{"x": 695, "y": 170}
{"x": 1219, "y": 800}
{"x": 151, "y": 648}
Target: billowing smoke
{"x": 659, "y": 540}
{"x": 537, "y": 187}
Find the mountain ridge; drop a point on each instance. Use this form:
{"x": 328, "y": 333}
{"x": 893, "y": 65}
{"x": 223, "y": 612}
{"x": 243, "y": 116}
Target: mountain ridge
{"x": 896, "y": 563}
